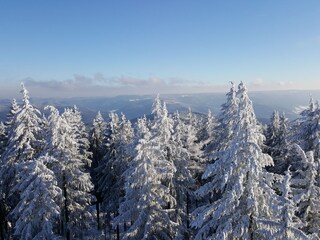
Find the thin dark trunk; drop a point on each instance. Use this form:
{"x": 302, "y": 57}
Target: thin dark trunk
{"x": 66, "y": 233}
{"x": 98, "y": 214}
{"x": 188, "y": 209}
{"x": 118, "y": 232}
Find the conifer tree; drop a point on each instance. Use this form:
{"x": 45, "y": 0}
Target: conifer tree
{"x": 228, "y": 119}
{"x": 3, "y": 138}
{"x": 106, "y": 176}
{"x": 38, "y": 211}
{"x": 307, "y": 133}
{"x": 71, "y": 173}
{"x": 272, "y": 133}
{"x": 14, "y": 109}
{"x": 114, "y": 164}
{"x": 24, "y": 144}
{"x": 145, "y": 190}
{"x": 309, "y": 203}
{"x": 210, "y": 141}
{"x": 183, "y": 182}
{"x": 287, "y": 227}
{"x": 239, "y": 178}
{"x": 97, "y": 140}
{"x": 78, "y": 130}
{"x": 277, "y": 144}
{"x": 193, "y": 145}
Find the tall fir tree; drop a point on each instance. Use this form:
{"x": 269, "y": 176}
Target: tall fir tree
{"x": 307, "y": 133}
{"x": 145, "y": 190}
{"x": 239, "y": 178}
{"x": 97, "y": 139}
{"x": 24, "y": 144}
{"x": 72, "y": 175}
{"x": 277, "y": 142}
{"x": 228, "y": 119}
{"x": 3, "y": 138}
{"x": 114, "y": 164}
{"x": 38, "y": 211}
{"x": 183, "y": 181}
{"x": 287, "y": 225}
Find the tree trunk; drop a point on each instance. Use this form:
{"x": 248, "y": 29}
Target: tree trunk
{"x": 98, "y": 213}
{"x": 188, "y": 209}
{"x": 66, "y": 233}
{"x": 118, "y": 232}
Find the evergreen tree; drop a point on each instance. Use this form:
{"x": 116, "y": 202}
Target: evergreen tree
{"x": 193, "y": 144}
{"x": 14, "y": 109}
{"x": 145, "y": 190}
{"x": 287, "y": 226}
{"x": 272, "y": 134}
{"x": 309, "y": 203}
{"x": 72, "y": 177}
{"x": 38, "y": 210}
{"x": 228, "y": 119}
{"x": 106, "y": 176}
{"x": 277, "y": 142}
{"x": 183, "y": 182}
{"x": 97, "y": 140}
{"x": 209, "y": 137}
{"x": 3, "y": 138}
{"x": 307, "y": 133}
{"x": 240, "y": 180}
{"x": 114, "y": 164}
{"x": 78, "y": 130}
{"x": 24, "y": 144}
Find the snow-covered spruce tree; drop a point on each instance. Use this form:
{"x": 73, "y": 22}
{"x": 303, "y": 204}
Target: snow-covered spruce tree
{"x": 115, "y": 162}
{"x": 183, "y": 182}
{"x": 307, "y": 127}
{"x": 161, "y": 132}
{"x": 23, "y": 140}
{"x": 190, "y": 141}
{"x": 71, "y": 173}
{"x": 150, "y": 216}
{"x": 14, "y": 109}
{"x": 24, "y": 144}
{"x": 287, "y": 227}
{"x": 3, "y": 138}
{"x": 3, "y": 142}
{"x": 277, "y": 144}
{"x": 38, "y": 211}
{"x": 309, "y": 200}
{"x": 78, "y": 130}
{"x": 97, "y": 140}
{"x": 209, "y": 136}
{"x": 227, "y": 119}
{"x": 106, "y": 176}
{"x": 272, "y": 134}
{"x": 4, "y": 205}
{"x": 238, "y": 176}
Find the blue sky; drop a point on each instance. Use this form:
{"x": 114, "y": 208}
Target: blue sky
{"x": 77, "y": 47}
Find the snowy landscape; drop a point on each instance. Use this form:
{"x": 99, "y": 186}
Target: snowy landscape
{"x": 160, "y": 120}
{"x": 171, "y": 175}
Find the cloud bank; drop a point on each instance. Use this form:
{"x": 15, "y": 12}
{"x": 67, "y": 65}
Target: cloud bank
{"x": 100, "y": 86}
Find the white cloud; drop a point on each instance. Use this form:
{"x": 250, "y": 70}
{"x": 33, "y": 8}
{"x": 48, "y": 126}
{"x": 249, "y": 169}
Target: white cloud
{"x": 99, "y": 85}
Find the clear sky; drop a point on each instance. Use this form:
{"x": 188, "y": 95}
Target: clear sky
{"x": 95, "y": 48}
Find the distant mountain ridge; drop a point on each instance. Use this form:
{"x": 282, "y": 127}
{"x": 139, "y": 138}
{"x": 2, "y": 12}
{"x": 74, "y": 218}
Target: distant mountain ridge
{"x": 135, "y": 106}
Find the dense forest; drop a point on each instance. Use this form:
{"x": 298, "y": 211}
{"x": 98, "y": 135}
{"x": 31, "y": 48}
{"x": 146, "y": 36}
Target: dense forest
{"x": 165, "y": 176}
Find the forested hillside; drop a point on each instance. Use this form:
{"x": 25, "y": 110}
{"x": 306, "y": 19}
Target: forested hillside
{"x": 175, "y": 175}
